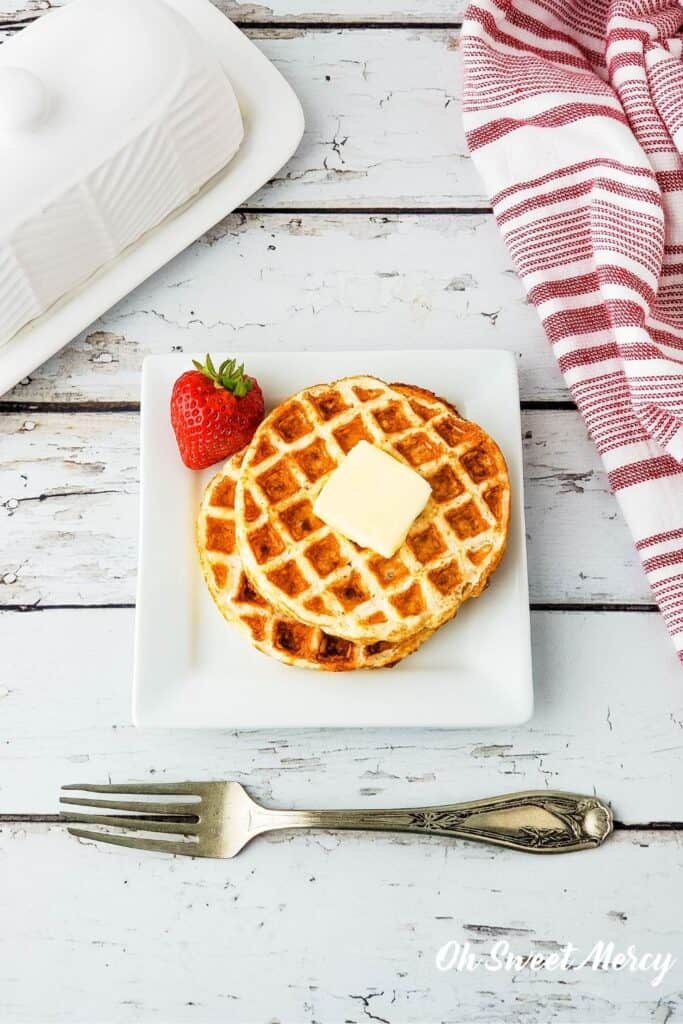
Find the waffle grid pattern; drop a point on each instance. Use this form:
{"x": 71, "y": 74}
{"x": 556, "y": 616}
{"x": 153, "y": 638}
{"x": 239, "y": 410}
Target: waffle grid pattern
{"x": 276, "y": 634}
{"x": 320, "y": 577}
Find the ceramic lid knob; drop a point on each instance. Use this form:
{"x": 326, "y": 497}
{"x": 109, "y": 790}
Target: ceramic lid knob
{"x": 23, "y": 100}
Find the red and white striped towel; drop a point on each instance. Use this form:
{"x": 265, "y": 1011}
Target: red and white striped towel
{"x": 574, "y": 117}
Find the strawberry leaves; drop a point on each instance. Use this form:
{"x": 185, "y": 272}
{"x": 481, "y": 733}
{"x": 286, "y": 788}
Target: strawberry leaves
{"x": 228, "y": 375}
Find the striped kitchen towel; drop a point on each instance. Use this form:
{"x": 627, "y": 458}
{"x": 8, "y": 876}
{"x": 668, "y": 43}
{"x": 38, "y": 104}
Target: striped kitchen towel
{"x": 574, "y": 117}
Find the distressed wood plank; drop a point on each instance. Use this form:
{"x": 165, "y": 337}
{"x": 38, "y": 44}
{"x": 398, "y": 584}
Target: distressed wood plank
{"x": 312, "y": 281}
{"x": 76, "y": 539}
{"x": 302, "y": 929}
{"x": 383, "y": 124}
{"x": 14, "y": 13}
{"x": 65, "y": 679}
{"x": 84, "y": 492}
{"x": 68, "y": 497}
{"x": 383, "y": 120}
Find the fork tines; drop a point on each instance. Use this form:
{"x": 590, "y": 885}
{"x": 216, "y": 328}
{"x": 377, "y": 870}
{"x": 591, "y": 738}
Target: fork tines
{"x": 141, "y": 815}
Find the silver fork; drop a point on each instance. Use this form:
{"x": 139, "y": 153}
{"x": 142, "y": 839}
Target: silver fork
{"x": 218, "y": 819}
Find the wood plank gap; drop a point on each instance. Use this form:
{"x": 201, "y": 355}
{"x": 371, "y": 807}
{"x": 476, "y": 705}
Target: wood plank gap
{"x": 545, "y": 606}
{"x": 598, "y": 606}
{"x": 22, "y": 408}
{"x": 650, "y": 826}
{"x": 367, "y": 211}
{"x": 17, "y": 819}
{"x": 313, "y": 25}
{"x": 69, "y": 407}
{"x": 547, "y": 405}
{"x": 17, "y": 22}
{"x": 23, "y": 608}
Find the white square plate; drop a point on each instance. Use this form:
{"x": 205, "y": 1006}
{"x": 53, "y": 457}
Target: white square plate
{"x": 273, "y": 126}
{"x": 193, "y": 670}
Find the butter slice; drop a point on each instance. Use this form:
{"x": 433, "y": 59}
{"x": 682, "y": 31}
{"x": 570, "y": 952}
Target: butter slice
{"x": 373, "y": 499}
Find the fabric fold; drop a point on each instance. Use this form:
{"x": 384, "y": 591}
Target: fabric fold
{"x": 574, "y": 118}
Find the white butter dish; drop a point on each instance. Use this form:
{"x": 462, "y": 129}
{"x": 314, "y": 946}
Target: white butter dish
{"x": 120, "y": 150}
{"x": 112, "y": 114}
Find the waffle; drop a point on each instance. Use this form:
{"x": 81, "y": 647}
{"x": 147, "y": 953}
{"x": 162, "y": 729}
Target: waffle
{"x": 314, "y": 573}
{"x": 279, "y": 635}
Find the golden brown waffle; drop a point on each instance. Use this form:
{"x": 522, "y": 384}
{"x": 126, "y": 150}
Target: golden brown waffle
{"x": 302, "y": 566}
{"x": 271, "y": 631}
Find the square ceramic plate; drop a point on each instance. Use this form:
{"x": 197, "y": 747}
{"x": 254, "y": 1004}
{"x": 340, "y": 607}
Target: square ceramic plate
{"x": 193, "y": 670}
{"x": 273, "y": 126}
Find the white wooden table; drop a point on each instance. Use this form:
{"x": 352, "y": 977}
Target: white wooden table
{"x": 376, "y": 234}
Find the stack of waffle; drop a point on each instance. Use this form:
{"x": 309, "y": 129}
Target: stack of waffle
{"x": 301, "y": 591}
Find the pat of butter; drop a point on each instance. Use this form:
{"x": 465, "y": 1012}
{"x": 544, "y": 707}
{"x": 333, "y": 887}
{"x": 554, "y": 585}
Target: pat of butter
{"x": 373, "y": 499}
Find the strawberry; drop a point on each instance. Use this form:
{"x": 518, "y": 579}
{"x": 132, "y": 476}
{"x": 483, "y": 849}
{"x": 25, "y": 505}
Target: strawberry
{"x": 214, "y": 412}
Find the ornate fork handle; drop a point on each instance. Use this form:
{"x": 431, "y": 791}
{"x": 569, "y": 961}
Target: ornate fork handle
{"x": 543, "y": 821}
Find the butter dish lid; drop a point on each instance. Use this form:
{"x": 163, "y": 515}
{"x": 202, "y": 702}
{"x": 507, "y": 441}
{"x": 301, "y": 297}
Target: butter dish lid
{"x": 91, "y": 230}
{"x": 79, "y": 84}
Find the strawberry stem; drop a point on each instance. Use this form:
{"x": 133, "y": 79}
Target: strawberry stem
{"x": 228, "y": 375}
